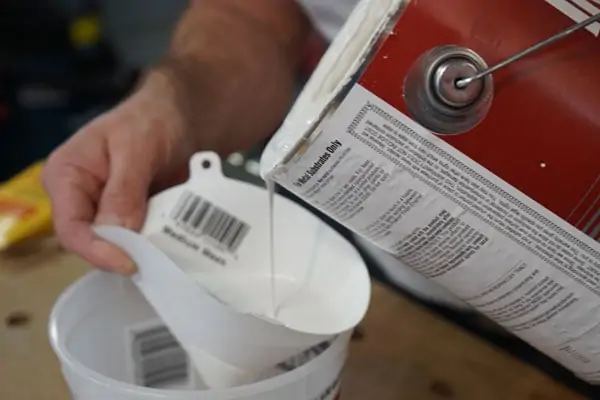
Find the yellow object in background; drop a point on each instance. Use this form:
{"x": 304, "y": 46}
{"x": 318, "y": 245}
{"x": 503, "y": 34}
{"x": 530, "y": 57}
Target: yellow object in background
{"x": 85, "y": 31}
{"x": 25, "y": 208}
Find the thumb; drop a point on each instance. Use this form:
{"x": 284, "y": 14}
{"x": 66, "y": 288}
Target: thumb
{"x": 125, "y": 195}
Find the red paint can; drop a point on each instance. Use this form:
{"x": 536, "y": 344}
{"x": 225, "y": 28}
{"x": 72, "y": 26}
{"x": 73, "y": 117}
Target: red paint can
{"x": 492, "y": 191}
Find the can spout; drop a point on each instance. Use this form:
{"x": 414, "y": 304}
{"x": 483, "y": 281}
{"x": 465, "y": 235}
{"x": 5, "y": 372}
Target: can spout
{"x": 344, "y": 59}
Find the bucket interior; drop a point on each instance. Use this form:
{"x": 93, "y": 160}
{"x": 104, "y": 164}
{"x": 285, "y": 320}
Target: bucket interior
{"x": 102, "y": 324}
{"x": 119, "y": 336}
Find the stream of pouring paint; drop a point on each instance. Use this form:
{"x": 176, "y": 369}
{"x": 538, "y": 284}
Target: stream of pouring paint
{"x": 271, "y": 191}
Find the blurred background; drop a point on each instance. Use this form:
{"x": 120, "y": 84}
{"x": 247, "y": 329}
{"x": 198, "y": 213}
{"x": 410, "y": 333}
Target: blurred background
{"x": 63, "y": 62}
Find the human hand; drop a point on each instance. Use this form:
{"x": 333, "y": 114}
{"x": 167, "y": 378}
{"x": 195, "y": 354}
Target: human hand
{"x": 106, "y": 171}
{"x": 225, "y": 84}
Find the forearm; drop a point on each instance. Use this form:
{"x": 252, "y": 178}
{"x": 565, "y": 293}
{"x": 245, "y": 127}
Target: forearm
{"x": 232, "y": 64}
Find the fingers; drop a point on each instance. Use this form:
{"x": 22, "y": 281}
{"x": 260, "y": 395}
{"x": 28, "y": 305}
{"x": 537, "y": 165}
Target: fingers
{"x": 73, "y": 193}
{"x": 102, "y": 176}
{"x": 125, "y": 195}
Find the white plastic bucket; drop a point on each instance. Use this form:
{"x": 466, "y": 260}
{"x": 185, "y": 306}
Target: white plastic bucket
{"x": 92, "y": 330}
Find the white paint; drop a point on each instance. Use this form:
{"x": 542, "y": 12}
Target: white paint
{"x": 252, "y": 295}
{"x": 271, "y": 239}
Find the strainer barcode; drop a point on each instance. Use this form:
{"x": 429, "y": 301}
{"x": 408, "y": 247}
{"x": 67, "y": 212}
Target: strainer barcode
{"x": 159, "y": 358}
{"x": 200, "y": 217}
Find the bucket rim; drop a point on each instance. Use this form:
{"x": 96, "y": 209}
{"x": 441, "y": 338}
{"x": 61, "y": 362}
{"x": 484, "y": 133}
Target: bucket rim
{"x": 68, "y": 361}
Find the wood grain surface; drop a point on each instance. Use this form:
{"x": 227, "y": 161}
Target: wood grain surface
{"x": 403, "y": 352}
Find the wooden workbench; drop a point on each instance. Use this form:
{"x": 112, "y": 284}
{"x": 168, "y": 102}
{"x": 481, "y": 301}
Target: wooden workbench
{"x": 406, "y": 352}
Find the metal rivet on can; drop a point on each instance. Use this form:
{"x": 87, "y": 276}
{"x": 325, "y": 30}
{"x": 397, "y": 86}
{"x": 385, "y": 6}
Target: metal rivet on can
{"x": 444, "y": 83}
{"x": 433, "y": 98}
